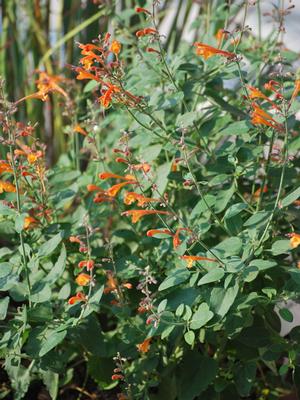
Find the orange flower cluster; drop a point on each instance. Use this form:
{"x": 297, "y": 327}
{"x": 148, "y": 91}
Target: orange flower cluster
{"x": 146, "y": 32}
{"x": 145, "y": 167}
{"x": 261, "y": 117}
{"x": 112, "y": 284}
{"x": 46, "y": 84}
{"x": 109, "y": 194}
{"x": 77, "y": 298}
{"x": 29, "y": 222}
{"x": 7, "y": 187}
{"x": 207, "y": 51}
{"x": 144, "y": 347}
{"x": 136, "y": 215}
{"x": 294, "y": 240}
{"x": 131, "y": 197}
{"x": 97, "y": 65}
{"x": 257, "y": 94}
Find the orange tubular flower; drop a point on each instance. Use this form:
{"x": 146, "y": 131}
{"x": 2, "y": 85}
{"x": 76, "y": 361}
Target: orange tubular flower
{"x": 220, "y": 35}
{"x": 114, "y": 190}
{"x": 145, "y": 32}
{"x": 260, "y": 117}
{"x": 83, "y": 74}
{"x": 107, "y": 175}
{"x": 7, "y": 187}
{"x": 257, "y": 193}
{"x": 294, "y": 240}
{"x": 207, "y": 51}
{"x": 144, "y": 346}
{"x": 257, "y": 94}
{"x": 106, "y": 98}
{"x": 116, "y": 377}
{"x": 83, "y": 279}
{"x": 190, "y": 259}
{"x": 46, "y": 84}
{"x": 100, "y": 198}
{"x": 142, "y": 10}
{"x": 32, "y": 157}
{"x": 141, "y": 167}
{"x": 74, "y": 239}
{"x": 94, "y": 188}
{"x": 152, "y": 50}
{"x": 136, "y": 215}
{"x": 28, "y": 222}
{"x": 77, "y": 128}
{"x": 153, "y": 232}
{"x": 5, "y": 167}
{"x": 176, "y": 238}
{"x": 111, "y": 284}
{"x": 77, "y": 298}
{"x": 115, "y": 47}
{"x": 131, "y": 197}
{"x": 296, "y": 89}
{"x": 89, "y": 264}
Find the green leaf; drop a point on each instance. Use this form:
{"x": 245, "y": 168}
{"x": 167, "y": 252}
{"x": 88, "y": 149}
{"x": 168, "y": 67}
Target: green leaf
{"x": 231, "y": 246}
{"x": 19, "y": 377}
{"x": 91, "y": 85}
{"x": 58, "y": 268}
{"x": 93, "y": 303}
{"x": 47, "y": 248}
{"x": 4, "y": 302}
{"x": 201, "y": 316}
{"x": 212, "y": 276}
{"x": 263, "y": 264}
{"x": 234, "y": 210}
{"x": 236, "y": 128}
{"x": 250, "y": 273}
{"x": 5, "y": 269}
{"x": 151, "y": 152}
{"x": 245, "y": 378}
{"x": 189, "y": 337}
{"x": 162, "y": 173}
{"x": 5, "y": 210}
{"x": 280, "y": 247}
{"x": 19, "y": 222}
{"x": 52, "y": 339}
{"x": 194, "y": 375}
{"x": 41, "y": 292}
{"x": 201, "y": 206}
{"x": 223, "y": 198}
{"x": 291, "y": 197}
{"x": 258, "y": 219}
{"x": 286, "y": 314}
{"x": 222, "y": 299}
{"x": 51, "y": 380}
{"x": 187, "y": 119}
{"x": 176, "y": 277}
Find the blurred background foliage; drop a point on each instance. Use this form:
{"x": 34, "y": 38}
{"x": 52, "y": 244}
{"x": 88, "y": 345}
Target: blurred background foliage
{"x": 42, "y": 35}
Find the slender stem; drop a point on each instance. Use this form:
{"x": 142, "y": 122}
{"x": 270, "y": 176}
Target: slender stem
{"x": 201, "y": 194}
{"x": 266, "y": 171}
{"x": 12, "y": 144}
{"x": 282, "y": 176}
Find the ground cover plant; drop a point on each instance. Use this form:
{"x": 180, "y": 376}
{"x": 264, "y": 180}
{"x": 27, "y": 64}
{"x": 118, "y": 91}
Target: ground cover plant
{"x": 152, "y": 253}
